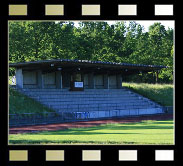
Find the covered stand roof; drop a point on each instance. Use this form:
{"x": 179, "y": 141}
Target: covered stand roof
{"x": 86, "y": 65}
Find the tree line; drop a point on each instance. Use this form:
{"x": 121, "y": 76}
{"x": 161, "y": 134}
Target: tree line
{"x": 96, "y": 41}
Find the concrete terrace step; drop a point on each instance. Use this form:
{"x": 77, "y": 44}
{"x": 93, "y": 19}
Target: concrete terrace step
{"x": 78, "y": 94}
{"x": 81, "y": 92}
{"x": 88, "y": 104}
{"x": 101, "y": 105}
{"x": 85, "y": 90}
{"x": 97, "y": 102}
{"x": 51, "y": 96}
{"x": 91, "y": 97}
{"x": 91, "y": 100}
{"x": 84, "y": 109}
{"x": 67, "y": 106}
{"x": 103, "y": 108}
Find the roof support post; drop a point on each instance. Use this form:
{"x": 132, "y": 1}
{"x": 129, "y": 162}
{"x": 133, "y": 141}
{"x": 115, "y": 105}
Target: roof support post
{"x": 106, "y": 81}
{"x": 119, "y": 81}
{"x": 58, "y": 80}
{"x": 39, "y": 79}
{"x": 91, "y": 80}
{"x": 19, "y": 78}
{"x": 66, "y": 79}
{"x": 157, "y": 75}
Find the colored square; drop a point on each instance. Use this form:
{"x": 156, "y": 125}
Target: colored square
{"x": 18, "y": 155}
{"x": 164, "y": 155}
{"x": 163, "y": 10}
{"x": 127, "y": 10}
{"x": 15, "y": 10}
{"x": 90, "y": 10}
{"x": 127, "y": 155}
{"x": 54, "y": 155}
{"x": 53, "y": 10}
{"x": 91, "y": 155}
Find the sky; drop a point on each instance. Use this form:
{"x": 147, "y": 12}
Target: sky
{"x": 146, "y": 23}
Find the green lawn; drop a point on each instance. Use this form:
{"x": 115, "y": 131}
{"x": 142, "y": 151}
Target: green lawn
{"x": 145, "y": 132}
{"x": 19, "y": 103}
{"x": 160, "y": 93}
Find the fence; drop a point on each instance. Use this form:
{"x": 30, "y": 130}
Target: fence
{"x": 46, "y": 118}
{"x": 60, "y": 117}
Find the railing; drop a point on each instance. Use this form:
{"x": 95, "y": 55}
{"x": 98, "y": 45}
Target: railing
{"x": 68, "y": 116}
{"x": 46, "y": 118}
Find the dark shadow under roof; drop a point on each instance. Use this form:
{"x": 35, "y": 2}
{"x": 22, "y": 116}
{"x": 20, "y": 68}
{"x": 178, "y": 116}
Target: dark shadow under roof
{"x": 85, "y": 64}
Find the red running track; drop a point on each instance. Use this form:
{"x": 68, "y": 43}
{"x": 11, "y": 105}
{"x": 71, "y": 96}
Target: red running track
{"x": 63, "y": 126}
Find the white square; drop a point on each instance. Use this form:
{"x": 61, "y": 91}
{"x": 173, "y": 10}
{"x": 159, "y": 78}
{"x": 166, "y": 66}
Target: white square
{"x": 91, "y": 155}
{"x": 164, "y": 10}
{"x": 78, "y": 84}
{"x": 164, "y": 155}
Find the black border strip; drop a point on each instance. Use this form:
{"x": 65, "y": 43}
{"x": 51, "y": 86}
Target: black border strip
{"x": 72, "y": 11}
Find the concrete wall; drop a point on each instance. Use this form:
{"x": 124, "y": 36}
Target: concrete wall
{"x": 99, "y": 81}
{"x": 19, "y": 78}
{"x": 119, "y": 81}
{"x": 49, "y": 80}
{"x": 39, "y": 79}
{"x": 106, "y": 81}
{"x": 29, "y": 78}
{"x": 112, "y": 82}
{"x": 58, "y": 79}
{"x": 86, "y": 85}
{"x": 66, "y": 78}
{"x": 91, "y": 81}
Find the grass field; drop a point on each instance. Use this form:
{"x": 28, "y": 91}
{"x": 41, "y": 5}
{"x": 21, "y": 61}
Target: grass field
{"x": 143, "y": 133}
{"x": 160, "y": 93}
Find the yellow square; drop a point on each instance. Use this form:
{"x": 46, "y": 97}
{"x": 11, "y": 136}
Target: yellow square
{"x": 90, "y": 10}
{"x": 17, "y": 10}
{"x": 55, "y": 155}
{"x": 18, "y": 155}
{"x": 54, "y": 10}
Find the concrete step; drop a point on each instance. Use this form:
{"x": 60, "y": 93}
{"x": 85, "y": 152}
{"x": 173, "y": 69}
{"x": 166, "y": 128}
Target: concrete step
{"x": 78, "y": 95}
{"x": 85, "y": 90}
{"x": 76, "y": 92}
{"x": 104, "y": 109}
{"x": 99, "y": 105}
{"x": 91, "y": 98}
{"x": 97, "y": 102}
